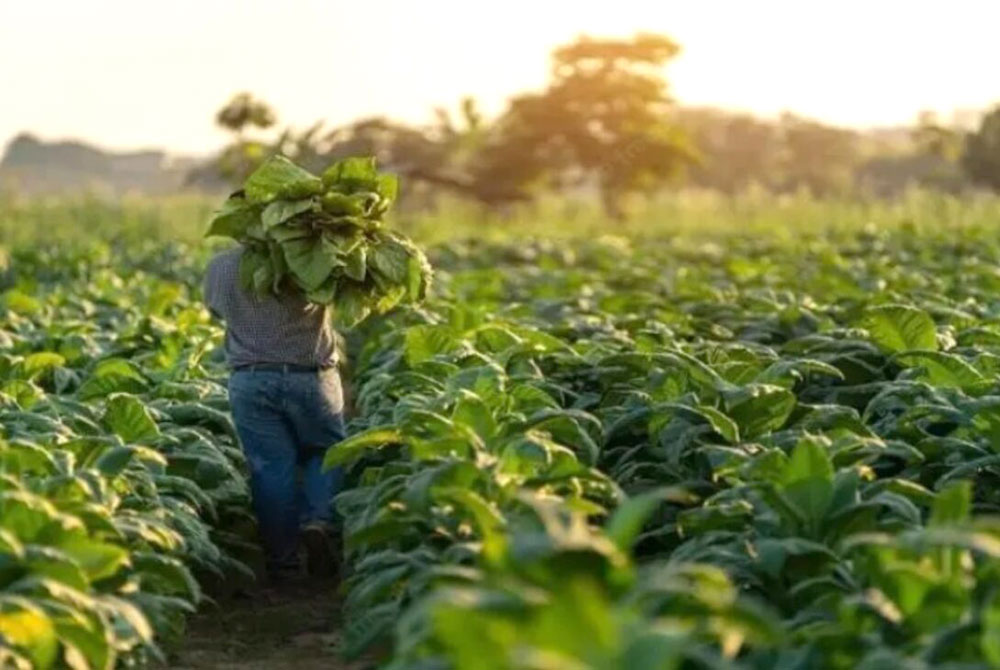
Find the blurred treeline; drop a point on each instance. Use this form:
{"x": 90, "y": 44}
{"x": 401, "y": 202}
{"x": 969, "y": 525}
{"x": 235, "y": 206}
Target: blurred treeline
{"x": 606, "y": 125}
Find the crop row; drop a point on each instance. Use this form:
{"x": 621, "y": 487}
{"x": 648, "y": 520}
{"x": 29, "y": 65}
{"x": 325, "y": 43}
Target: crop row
{"x": 766, "y": 456}
{"x": 777, "y": 453}
{"x": 117, "y": 462}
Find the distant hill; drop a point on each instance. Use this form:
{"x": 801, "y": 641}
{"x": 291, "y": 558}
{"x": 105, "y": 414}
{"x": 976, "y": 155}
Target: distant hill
{"x": 31, "y": 165}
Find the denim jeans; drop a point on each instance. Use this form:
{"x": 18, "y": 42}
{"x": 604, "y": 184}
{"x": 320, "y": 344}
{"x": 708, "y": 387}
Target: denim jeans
{"x": 286, "y": 420}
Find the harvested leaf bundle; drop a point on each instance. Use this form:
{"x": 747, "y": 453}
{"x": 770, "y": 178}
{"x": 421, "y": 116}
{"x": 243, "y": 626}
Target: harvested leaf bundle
{"x": 324, "y": 237}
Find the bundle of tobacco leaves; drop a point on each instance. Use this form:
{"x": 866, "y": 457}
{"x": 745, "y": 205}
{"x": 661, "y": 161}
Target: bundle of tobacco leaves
{"x": 324, "y": 236}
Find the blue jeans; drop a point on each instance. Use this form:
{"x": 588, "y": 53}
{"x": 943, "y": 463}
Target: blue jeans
{"x": 286, "y": 420}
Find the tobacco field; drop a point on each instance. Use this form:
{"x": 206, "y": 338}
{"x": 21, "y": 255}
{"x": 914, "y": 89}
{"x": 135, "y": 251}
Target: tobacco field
{"x": 653, "y": 450}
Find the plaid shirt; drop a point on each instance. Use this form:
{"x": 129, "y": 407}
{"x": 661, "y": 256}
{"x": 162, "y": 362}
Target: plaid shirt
{"x": 267, "y": 329}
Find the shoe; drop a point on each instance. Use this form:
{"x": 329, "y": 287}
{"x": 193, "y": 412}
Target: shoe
{"x": 321, "y": 559}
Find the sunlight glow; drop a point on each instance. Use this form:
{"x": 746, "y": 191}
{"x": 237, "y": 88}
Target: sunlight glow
{"x": 130, "y": 73}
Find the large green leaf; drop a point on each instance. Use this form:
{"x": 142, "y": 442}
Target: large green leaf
{"x": 353, "y": 304}
{"x": 391, "y": 259}
{"x": 470, "y": 410}
{"x": 354, "y": 263}
{"x": 808, "y": 481}
{"x": 896, "y": 328}
{"x": 625, "y": 524}
{"x": 113, "y": 375}
{"x": 759, "y": 408}
{"x": 952, "y": 504}
{"x": 253, "y": 262}
{"x": 37, "y": 364}
{"x": 387, "y": 186}
{"x": 354, "y": 446}
{"x": 29, "y": 630}
{"x": 424, "y": 342}
{"x": 97, "y": 559}
{"x": 310, "y": 261}
{"x": 234, "y": 218}
{"x": 280, "y": 211}
{"x": 942, "y": 369}
{"x": 356, "y": 172}
{"x": 280, "y": 178}
{"x": 128, "y": 418}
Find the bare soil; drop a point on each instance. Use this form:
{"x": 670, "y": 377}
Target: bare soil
{"x": 291, "y": 627}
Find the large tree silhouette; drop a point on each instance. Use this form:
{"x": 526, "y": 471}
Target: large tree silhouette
{"x": 604, "y": 118}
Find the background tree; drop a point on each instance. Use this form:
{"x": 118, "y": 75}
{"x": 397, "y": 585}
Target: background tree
{"x": 243, "y": 112}
{"x": 734, "y": 150}
{"x": 815, "y": 156}
{"x": 604, "y": 117}
{"x": 981, "y": 155}
{"x": 933, "y": 137}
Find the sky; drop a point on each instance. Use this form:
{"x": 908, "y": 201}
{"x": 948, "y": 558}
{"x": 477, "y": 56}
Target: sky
{"x": 129, "y": 74}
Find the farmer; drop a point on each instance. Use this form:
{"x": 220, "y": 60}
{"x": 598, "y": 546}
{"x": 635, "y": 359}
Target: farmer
{"x": 288, "y": 405}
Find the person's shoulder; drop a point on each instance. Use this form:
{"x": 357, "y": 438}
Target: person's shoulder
{"x": 225, "y": 260}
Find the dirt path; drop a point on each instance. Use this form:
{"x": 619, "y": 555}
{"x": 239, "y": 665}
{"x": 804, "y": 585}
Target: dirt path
{"x": 295, "y": 627}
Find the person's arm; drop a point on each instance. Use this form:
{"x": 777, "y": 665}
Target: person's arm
{"x": 209, "y": 292}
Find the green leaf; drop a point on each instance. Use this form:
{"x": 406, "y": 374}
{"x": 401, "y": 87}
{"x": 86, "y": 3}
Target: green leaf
{"x": 719, "y": 422}
{"x": 24, "y": 393}
{"x": 279, "y": 178}
{"x": 354, "y": 263}
{"x": 290, "y": 230}
{"x": 355, "y": 172}
{"x": 251, "y": 263}
{"x": 417, "y": 277}
{"x": 772, "y": 553}
{"x": 310, "y": 261}
{"x": 165, "y": 574}
{"x": 114, "y": 460}
{"x": 37, "y": 364}
{"x": 127, "y": 417}
{"x": 391, "y": 260}
{"x": 87, "y": 646}
{"x": 28, "y": 629}
{"x": 233, "y": 219}
{"x": 97, "y": 559}
{"x": 280, "y": 211}
{"x": 567, "y": 426}
{"x": 990, "y": 637}
{"x": 942, "y": 369}
{"x": 628, "y": 519}
{"x": 388, "y": 186}
{"x": 787, "y": 372}
{"x": 471, "y": 411}
{"x": 352, "y": 305}
{"x": 952, "y": 504}
{"x": 368, "y": 627}
{"x": 807, "y": 481}
{"x": 354, "y": 446}
{"x": 896, "y": 328}
{"x": 809, "y": 459}
{"x": 113, "y": 375}
{"x": 759, "y": 408}
{"x": 424, "y": 342}
{"x": 20, "y": 302}
{"x": 489, "y": 522}
{"x": 163, "y": 298}
{"x": 341, "y": 204}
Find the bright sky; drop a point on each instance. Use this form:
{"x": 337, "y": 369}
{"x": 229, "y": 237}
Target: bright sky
{"x": 141, "y": 73}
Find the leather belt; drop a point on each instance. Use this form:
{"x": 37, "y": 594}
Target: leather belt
{"x": 281, "y": 367}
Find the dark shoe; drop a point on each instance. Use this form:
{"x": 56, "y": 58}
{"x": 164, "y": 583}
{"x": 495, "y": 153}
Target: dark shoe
{"x": 321, "y": 559}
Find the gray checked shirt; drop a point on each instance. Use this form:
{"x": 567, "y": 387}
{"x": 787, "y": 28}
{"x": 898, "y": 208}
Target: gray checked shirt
{"x": 267, "y": 329}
